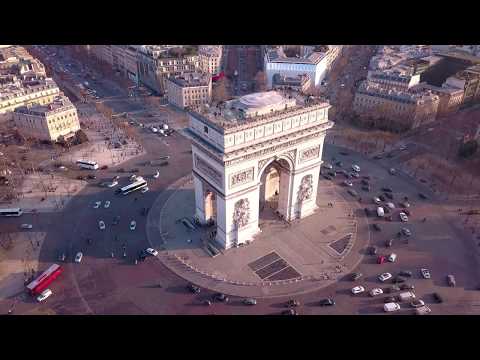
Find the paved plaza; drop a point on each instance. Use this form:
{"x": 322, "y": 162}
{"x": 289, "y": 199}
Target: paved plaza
{"x": 283, "y": 259}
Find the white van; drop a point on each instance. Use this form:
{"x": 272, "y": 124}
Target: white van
{"x": 45, "y": 294}
{"x": 380, "y": 212}
{"x": 392, "y": 257}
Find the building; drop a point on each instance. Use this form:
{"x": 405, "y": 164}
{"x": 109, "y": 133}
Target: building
{"x": 261, "y": 149}
{"x": 189, "y": 90}
{"x": 450, "y": 98}
{"x": 406, "y": 109}
{"x": 17, "y": 61}
{"x": 393, "y": 79}
{"x": 124, "y": 58}
{"x": 314, "y": 64}
{"x": 55, "y": 121}
{"x": 467, "y": 80}
{"x": 299, "y": 83}
{"x": 157, "y": 63}
{"x": 23, "y": 92}
{"x": 210, "y": 57}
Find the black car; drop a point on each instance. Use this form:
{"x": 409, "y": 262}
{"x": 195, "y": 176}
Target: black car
{"x": 327, "y": 302}
{"x": 356, "y": 276}
{"x": 221, "y": 297}
{"x": 142, "y": 255}
{"x": 365, "y": 182}
{"x": 389, "y": 243}
{"x": 344, "y": 153}
{"x": 332, "y": 173}
{"x": 377, "y": 227}
{"x": 390, "y": 299}
{"x": 135, "y": 170}
{"x": 193, "y": 289}
{"x": 92, "y": 177}
{"x": 437, "y": 297}
{"x": 407, "y": 287}
{"x": 366, "y": 188}
{"x": 382, "y": 198}
{"x": 378, "y": 157}
{"x": 372, "y": 250}
{"x": 392, "y": 289}
{"x": 405, "y": 273}
{"x": 339, "y": 164}
{"x": 423, "y": 196}
{"x": 387, "y": 189}
{"x": 398, "y": 280}
{"x": 116, "y": 220}
{"x": 327, "y": 177}
{"x": 389, "y": 195}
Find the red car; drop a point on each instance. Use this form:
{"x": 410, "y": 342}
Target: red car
{"x": 381, "y": 259}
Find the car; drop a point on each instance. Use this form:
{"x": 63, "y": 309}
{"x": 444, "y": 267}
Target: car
{"x": 378, "y": 157}
{"x": 423, "y": 310}
{"x": 403, "y": 147}
{"x": 425, "y": 273}
{"x": 390, "y": 205}
{"x": 387, "y": 210}
{"x": 407, "y": 287}
{"x": 156, "y": 175}
{"x": 327, "y": 166}
{"x": 133, "y": 177}
{"x": 97, "y": 204}
{"x": 392, "y": 289}
{"x": 221, "y": 297}
{"x": 356, "y": 168}
{"x": 44, "y": 294}
{"x": 382, "y": 198}
{"x": 416, "y": 303}
{"x": 352, "y": 192}
{"x": 332, "y": 173}
{"x": 390, "y": 299}
{"x": 355, "y": 276}
{"x": 142, "y": 255}
{"x": 101, "y": 225}
{"x": 112, "y": 184}
{"x": 405, "y": 273}
{"x": 91, "y": 177}
{"x": 78, "y": 257}
{"x": 372, "y": 250}
{"x": 381, "y": 259}
{"x": 326, "y": 302}
{"x": 193, "y": 289}
{"x": 391, "y": 307}
{"x": 144, "y": 190}
{"x": 423, "y": 196}
{"x": 407, "y": 212}
{"x": 116, "y": 220}
{"x": 151, "y": 251}
{"x": 387, "y": 189}
{"x": 107, "y": 204}
{"x": 380, "y": 211}
{"x": 133, "y": 225}
{"x": 377, "y": 227}
{"x": 377, "y": 201}
{"x": 347, "y": 183}
{"x": 366, "y": 188}
{"x": 292, "y": 303}
{"x": 339, "y": 164}
{"x": 398, "y": 280}
{"x": 327, "y": 177}
{"x": 406, "y": 232}
{"x": 344, "y": 153}
{"x": 358, "y": 290}
{"x": 437, "y": 297}
{"x": 403, "y": 217}
{"x": 451, "y": 281}
{"x": 354, "y": 174}
{"x": 249, "y": 301}
{"x": 376, "y": 291}
{"x": 392, "y": 171}
{"x": 384, "y": 277}
{"x": 289, "y": 312}
{"x": 389, "y": 195}
{"x": 365, "y": 182}
{"x": 26, "y": 226}
{"x": 404, "y": 204}
{"x": 392, "y": 257}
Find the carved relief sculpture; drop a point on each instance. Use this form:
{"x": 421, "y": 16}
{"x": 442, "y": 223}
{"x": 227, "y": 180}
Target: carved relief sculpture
{"x": 241, "y": 177}
{"x": 204, "y": 167}
{"x": 311, "y": 153}
{"x": 305, "y": 191}
{"x": 241, "y": 213}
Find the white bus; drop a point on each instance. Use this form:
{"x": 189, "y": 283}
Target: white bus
{"x": 85, "y": 164}
{"x": 138, "y": 184}
{"x": 11, "y": 212}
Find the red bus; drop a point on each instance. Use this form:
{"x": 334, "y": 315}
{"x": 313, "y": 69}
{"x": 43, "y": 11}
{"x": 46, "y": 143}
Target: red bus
{"x": 218, "y": 76}
{"x": 41, "y": 282}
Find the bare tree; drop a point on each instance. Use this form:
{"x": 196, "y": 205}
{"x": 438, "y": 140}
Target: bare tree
{"x": 220, "y": 90}
{"x": 260, "y": 81}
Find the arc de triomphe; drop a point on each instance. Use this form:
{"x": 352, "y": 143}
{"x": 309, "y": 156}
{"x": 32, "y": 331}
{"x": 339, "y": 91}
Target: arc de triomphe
{"x": 263, "y": 147}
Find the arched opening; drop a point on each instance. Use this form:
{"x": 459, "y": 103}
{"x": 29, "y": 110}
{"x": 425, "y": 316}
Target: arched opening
{"x": 274, "y": 187}
{"x": 210, "y": 206}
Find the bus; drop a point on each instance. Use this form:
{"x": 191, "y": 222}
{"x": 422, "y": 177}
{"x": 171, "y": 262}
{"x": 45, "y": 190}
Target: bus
{"x": 85, "y": 164}
{"x": 138, "y": 184}
{"x": 45, "y": 279}
{"x": 11, "y": 212}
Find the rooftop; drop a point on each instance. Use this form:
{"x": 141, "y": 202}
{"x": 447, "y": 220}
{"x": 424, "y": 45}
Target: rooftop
{"x": 191, "y": 79}
{"x": 278, "y": 55}
{"x": 60, "y": 103}
{"x": 412, "y": 96}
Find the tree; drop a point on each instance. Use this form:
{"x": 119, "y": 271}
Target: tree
{"x": 220, "y": 90}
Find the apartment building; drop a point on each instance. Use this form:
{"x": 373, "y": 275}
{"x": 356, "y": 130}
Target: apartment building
{"x": 450, "y": 98}
{"x": 21, "y": 92}
{"x": 55, "y": 121}
{"x": 210, "y": 58}
{"x": 189, "y": 90}
{"x": 467, "y": 80}
{"x": 16, "y": 60}
{"x": 406, "y": 109}
{"x": 393, "y": 79}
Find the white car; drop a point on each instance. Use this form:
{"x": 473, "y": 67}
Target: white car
{"x": 390, "y": 205}
{"x": 156, "y": 175}
{"x": 26, "y": 226}
{"x": 101, "y": 225}
{"x": 356, "y": 168}
{"x": 133, "y": 225}
{"x": 376, "y": 291}
{"x": 391, "y": 307}
{"x": 358, "y": 290}
{"x": 113, "y": 184}
{"x": 380, "y": 212}
{"x": 144, "y": 190}
{"x": 377, "y": 201}
{"x": 44, "y": 294}
{"x": 392, "y": 257}
{"x": 425, "y": 273}
{"x": 406, "y": 232}
{"x": 151, "y": 251}
{"x": 416, "y": 303}
{"x": 392, "y": 171}
{"x": 384, "y": 277}
{"x": 154, "y": 130}
{"x": 78, "y": 257}
{"x": 107, "y": 204}
{"x": 97, "y": 204}
{"x": 403, "y": 217}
